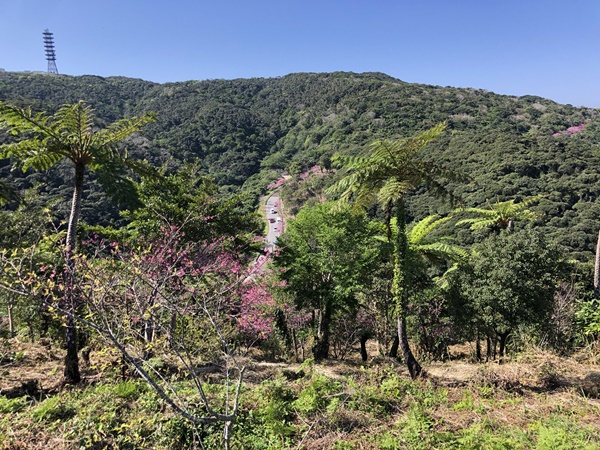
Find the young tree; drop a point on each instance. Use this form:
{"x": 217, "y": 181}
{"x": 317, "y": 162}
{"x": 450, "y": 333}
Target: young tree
{"x": 71, "y": 134}
{"x": 24, "y": 231}
{"x": 325, "y": 254}
{"x": 513, "y": 280}
{"x": 176, "y": 302}
{"x": 425, "y": 250}
{"x": 390, "y": 172}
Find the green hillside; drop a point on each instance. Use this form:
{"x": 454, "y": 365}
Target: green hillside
{"x": 247, "y": 132}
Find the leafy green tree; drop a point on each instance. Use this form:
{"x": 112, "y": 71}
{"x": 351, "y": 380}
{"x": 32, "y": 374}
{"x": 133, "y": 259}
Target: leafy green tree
{"x": 190, "y": 201}
{"x": 426, "y": 249}
{"x": 70, "y": 134}
{"x": 513, "y": 281}
{"x": 497, "y": 217}
{"x": 391, "y": 171}
{"x": 325, "y": 255}
{"x": 22, "y": 245}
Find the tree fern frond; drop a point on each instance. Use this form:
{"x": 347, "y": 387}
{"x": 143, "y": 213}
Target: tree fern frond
{"x": 443, "y": 281}
{"x": 442, "y": 250}
{"x": 41, "y": 161}
{"x": 75, "y": 121}
{"x": 419, "y": 231}
{"x": 500, "y": 213}
{"x": 19, "y": 120}
{"x": 392, "y": 190}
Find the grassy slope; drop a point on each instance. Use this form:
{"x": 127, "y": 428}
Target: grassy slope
{"x": 542, "y": 401}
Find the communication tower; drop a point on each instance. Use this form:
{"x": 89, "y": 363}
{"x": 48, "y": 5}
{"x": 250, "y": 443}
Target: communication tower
{"x": 50, "y": 53}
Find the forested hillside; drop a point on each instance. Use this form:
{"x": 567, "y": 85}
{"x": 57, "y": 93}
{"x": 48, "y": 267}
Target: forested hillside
{"x": 245, "y": 133}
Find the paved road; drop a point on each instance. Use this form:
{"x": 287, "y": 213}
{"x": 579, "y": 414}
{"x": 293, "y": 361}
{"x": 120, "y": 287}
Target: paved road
{"x": 275, "y": 227}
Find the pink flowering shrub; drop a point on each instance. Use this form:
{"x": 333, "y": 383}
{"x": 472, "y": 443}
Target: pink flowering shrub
{"x": 313, "y": 169}
{"x": 170, "y": 290}
{"x": 277, "y": 184}
{"x": 571, "y": 130}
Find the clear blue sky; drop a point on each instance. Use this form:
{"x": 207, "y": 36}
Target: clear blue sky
{"x": 517, "y": 47}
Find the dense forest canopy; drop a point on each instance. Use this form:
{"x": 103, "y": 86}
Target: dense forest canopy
{"x": 245, "y": 133}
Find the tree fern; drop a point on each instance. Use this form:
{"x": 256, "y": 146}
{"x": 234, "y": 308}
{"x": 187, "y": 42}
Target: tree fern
{"x": 389, "y": 172}
{"x": 500, "y": 214}
{"x": 70, "y": 134}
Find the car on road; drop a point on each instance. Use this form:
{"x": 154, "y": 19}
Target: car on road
{"x": 273, "y": 211}
{"x": 271, "y": 220}
{"x": 275, "y": 228}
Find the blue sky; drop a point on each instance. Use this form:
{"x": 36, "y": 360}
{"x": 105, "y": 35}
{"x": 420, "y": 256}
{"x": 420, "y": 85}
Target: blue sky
{"x": 517, "y": 47}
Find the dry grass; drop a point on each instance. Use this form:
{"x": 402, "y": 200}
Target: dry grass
{"x": 523, "y": 390}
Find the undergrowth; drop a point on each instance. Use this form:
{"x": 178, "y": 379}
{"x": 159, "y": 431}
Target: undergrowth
{"x": 374, "y": 407}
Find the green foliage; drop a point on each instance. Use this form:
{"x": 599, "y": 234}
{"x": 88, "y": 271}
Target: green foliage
{"x": 390, "y": 170}
{"x": 317, "y": 396}
{"x": 190, "y": 201}
{"x": 13, "y": 405}
{"x": 240, "y": 128}
{"x": 514, "y": 279}
{"x": 127, "y": 390}
{"x": 500, "y": 215}
{"x": 374, "y": 407}
{"x": 588, "y": 317}
{"x": 327, "y": 252}
{"x": 266, "y": 417}
{"x": 53, "y": 409}
{"x": 562, "y": 434}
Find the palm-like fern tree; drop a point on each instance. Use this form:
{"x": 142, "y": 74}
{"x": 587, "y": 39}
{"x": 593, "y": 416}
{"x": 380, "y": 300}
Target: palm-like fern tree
{"x": 390, "y": 172}
{"x": 70, "y": 134}
{"x": 500, "y": 215}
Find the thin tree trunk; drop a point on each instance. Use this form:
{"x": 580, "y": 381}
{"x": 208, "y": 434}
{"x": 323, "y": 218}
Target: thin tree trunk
{"x": 394, "y": 349}
{"x": 72, "y": 375}
{"x": 414, "y": 368}
{"x": 597, "y": 270}
{"x": 71, "y": 372}
{"x": 295, "y": 344}
{"x": 488, "y": 349}
{"x": 363, "y": 346}
{"x": 75, "y": 213}
{"x": 400, "y": 291}
{"x": 11, "y": 324}
{"x": 478, "y": 347}
{"x": 321, "y": 347}
{"x": 503, "y": 337}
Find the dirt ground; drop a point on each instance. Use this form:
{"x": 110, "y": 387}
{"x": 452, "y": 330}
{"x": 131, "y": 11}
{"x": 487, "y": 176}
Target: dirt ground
{"x": 34, "y": 369}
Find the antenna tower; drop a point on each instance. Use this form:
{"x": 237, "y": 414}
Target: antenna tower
{"x": 50, "y": 53}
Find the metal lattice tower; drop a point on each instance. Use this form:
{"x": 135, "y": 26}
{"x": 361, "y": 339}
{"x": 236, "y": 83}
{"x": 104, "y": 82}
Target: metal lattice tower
{"x": 50, "y": 53}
